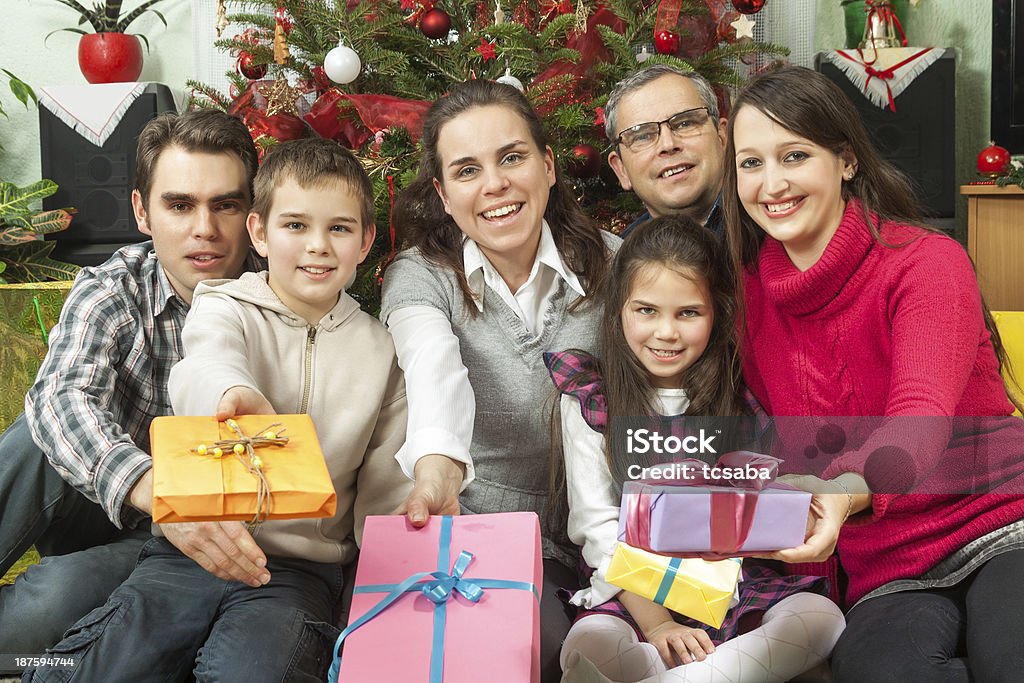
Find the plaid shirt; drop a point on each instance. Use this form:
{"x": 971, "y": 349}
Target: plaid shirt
{"x": 105, "y": 377}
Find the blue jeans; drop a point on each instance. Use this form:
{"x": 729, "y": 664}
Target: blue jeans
{"x": 85, "y": 556}
{"x": 171, "y": 617}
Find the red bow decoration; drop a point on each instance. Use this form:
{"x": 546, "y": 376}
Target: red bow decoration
{"x": 373, "y": 112}
{"x": 887, "y": 75}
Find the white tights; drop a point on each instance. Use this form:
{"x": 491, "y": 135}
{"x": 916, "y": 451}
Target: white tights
{"x": 796, "y": 635}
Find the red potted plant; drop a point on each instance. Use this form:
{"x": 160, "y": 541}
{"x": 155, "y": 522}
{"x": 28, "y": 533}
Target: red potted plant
{"x": 109, "y": 55}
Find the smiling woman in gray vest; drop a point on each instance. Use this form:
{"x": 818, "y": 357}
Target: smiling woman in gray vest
{"x": 503, "y": 267}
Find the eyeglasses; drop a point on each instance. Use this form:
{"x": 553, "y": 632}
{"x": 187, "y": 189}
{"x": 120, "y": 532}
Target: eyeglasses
{"x": 682, "y": 125}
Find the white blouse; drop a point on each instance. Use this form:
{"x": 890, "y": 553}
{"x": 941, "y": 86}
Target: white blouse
{"x": 593, "y": 501}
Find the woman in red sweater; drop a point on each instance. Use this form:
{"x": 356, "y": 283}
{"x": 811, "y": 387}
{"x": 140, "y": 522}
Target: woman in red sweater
{"x": 855, "y": 310}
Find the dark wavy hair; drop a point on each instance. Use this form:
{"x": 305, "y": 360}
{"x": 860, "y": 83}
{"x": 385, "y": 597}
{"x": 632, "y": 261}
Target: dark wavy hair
{"x": 204, "y": 130}
{"x": 810, "y": 105}
{"x": 420, "y": 217}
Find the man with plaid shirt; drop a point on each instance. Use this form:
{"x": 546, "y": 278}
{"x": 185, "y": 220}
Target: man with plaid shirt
{"x": 105, "y": 378}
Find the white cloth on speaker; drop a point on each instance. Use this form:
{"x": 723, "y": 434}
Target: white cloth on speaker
{"x": 884, "y": 73}
{"x": 93, "y": 111}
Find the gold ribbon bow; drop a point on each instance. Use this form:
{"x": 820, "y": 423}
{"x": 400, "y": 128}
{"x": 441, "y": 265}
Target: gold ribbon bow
{"x": 244, "y": 447}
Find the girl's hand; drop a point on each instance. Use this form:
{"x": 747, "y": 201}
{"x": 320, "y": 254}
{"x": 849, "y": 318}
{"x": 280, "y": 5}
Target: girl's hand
{"x": 677, "y": 643}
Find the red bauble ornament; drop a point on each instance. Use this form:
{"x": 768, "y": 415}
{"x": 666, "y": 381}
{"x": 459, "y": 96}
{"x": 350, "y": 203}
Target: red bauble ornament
{"x": 435, "y": 24}
{"x": 748, "y": 6}
{"x": 993, "y": 160}
{"x": 253, "y": 72}
{"x": 585, "y": 161}
{"x": 110, "y": 57}
{"x": 666, "y": 42}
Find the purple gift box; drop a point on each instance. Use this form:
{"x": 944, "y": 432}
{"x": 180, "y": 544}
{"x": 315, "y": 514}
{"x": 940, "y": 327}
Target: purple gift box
{"x": 685, "y": 517}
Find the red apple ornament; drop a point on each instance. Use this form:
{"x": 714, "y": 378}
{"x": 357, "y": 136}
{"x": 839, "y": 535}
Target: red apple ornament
{"x": 666, "y": 42}
{"x": 993, "y": 160}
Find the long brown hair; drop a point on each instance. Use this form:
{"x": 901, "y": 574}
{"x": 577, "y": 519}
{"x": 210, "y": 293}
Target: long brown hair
{"x": 421, "y": 218}
{"x": 713, "y": 382}
{"x": 810, "y": 105}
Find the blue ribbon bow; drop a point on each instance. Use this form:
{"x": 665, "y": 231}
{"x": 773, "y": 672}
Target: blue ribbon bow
{"x": 439, "y": 590}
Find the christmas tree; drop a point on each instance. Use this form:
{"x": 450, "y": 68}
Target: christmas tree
{"x": 371, "y": 68}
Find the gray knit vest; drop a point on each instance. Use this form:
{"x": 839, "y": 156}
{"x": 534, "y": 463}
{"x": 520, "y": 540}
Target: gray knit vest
{"x": 511, "y": 445}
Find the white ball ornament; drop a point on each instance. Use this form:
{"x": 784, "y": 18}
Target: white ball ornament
{"x": 509, "y": 79}
{"x": 342, "y": 64}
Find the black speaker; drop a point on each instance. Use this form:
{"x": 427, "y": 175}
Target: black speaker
{"x": 919, "y": 138}
{"x": 96, "y": 181}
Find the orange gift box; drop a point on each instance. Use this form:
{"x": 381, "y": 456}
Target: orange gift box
{"x": 188, "y": 487}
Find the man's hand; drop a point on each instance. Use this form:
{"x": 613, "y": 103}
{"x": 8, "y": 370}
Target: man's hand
{"x": 436, "y": 491}
{"x": 243, "y": 401}
{"x": 225, "y": 549}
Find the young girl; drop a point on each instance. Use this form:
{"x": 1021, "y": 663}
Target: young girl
{"x": 854, "y": 309}
{"x": 669, "y": 349}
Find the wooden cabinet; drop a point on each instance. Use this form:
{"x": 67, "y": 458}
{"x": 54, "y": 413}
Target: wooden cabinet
{"x": 995, "y": 240}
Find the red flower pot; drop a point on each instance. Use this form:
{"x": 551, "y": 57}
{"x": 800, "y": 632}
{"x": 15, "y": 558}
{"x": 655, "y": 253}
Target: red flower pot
{"x": 110, "y": 57}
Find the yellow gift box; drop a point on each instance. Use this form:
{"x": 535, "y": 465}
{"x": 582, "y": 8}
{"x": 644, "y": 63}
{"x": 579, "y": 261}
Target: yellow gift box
{"x": 692, "y": 587}
{"x": 189, "y": 487}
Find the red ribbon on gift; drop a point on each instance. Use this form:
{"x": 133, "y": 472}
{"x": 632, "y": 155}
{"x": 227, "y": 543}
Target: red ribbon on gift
{"x": 732, "y": 512}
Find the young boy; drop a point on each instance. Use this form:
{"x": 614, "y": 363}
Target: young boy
{"x": 292, "y": 341}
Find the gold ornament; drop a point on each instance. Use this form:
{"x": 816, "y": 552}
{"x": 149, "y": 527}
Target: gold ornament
{"x": 280, "y": 45}
{"x": 222, "y": 18}
{"x": 582, "y": 14}
{"x": 499, "y": 16}
{"x": 280, "y": 97}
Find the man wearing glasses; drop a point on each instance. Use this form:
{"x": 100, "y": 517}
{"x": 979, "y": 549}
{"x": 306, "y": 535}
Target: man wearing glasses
{"x": 668, "y": 143}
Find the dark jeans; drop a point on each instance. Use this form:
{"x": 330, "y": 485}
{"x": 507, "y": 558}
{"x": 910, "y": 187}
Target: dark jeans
{"x": 970, "y": 632}
{"x": 171, "y": 617}
{"x": 85, "y": 556}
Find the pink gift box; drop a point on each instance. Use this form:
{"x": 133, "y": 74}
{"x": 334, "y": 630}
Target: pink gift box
{"x": 455, "y": 640}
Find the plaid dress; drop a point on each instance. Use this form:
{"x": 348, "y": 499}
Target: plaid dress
{"x": 763, "y": 583}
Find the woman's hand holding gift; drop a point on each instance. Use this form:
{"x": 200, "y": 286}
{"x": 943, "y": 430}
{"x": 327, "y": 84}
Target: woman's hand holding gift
{"x": 832, "y": 503}
{"x": 436, "y": 492}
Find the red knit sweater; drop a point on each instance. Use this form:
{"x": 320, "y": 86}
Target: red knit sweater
{"x": 871, "y": 330}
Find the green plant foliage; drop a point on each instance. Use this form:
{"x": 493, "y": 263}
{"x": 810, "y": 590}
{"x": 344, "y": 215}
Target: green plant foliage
{"x": 105, "y": 16}
{"x": 24, "y": 255}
